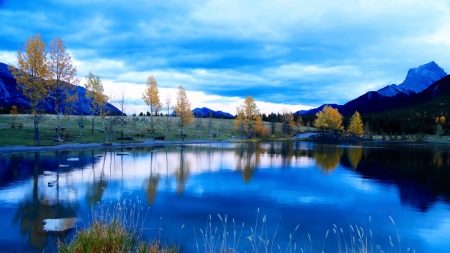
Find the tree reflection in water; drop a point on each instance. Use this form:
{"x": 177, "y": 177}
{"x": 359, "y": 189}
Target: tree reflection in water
{"x": 95, "y": 190}
{"x": 182, "y": 173}
{"x": 151, "y": 183}
{"x": 328, "y": 157}
{"x": 248, "y": 157}
{"x": 31, "y": 212}
{"x": 354, "y": 156}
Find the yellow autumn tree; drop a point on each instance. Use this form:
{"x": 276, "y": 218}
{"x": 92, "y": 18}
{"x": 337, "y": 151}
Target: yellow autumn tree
{"x": 63, "y": 79}
{"x": 356, "y": 126}
{"x": 246, "y": 116}
{"x": 96, "y": 94}
{"x": 239, "y": 121}
{"x": 30, "y": 74}
{"x": 151, "y": 98}
{"x": 183, "y": 110}
{"x": 258, "y": 127}
{"x": 287, "y": 122}
{"x": 299, "y": 123}
{"x": 329, "y": 118}
{"x": 14, "y": 112}
{"x": 439, "y": 122}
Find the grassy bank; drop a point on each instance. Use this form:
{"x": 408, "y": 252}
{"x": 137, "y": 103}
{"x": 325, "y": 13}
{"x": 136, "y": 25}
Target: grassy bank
{"x": 135, "y": 127}
{"x": 114, "y": 228}
{"x": 118, "y": 228}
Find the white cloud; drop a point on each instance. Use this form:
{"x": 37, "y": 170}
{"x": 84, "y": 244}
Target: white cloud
{"x": 8, "y": 57}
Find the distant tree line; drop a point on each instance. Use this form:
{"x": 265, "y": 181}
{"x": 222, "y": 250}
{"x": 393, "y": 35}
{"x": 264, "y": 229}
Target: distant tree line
{"x": 391, "y": 124}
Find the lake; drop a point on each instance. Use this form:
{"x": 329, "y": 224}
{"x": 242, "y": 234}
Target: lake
{"x": 283, "y": 196}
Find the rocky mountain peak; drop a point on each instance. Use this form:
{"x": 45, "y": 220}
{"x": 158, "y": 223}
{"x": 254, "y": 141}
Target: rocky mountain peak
{"x": 420, "y": 78}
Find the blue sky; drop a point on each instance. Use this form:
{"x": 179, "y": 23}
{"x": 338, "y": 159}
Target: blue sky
{"x": 291, "y": 54}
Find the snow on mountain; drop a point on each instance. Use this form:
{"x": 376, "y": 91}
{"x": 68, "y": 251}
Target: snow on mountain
{"x": 390, "y": 90}
{"x": 417, "y": 80}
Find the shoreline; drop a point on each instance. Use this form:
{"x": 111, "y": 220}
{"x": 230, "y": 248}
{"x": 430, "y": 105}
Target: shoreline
{"x": 78, "y": 146}
{"x": 99, "y": 145}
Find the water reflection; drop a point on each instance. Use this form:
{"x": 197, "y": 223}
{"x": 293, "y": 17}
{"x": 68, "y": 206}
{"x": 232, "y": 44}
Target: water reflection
{"x": 182, "y": 173}
{"x": 31, "y": 212}
{"x": 248, "y": 159}
{"x": 419, "y": 176}
{"x": 354, "y": 156}
{"x": 328, "y": 158}
{"x": 96, "y": 188}
{"x": 151, "y": 183}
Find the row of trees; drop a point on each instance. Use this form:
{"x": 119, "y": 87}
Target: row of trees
{"x": 249, "y": 122}
{"x": 182, "y": 108}
{"x": 42, "y": 74}
{"x": 330, "y": 119}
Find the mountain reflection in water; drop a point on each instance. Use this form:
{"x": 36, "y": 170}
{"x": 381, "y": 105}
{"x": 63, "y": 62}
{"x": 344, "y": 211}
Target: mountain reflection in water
{"x": 420, "y": 174}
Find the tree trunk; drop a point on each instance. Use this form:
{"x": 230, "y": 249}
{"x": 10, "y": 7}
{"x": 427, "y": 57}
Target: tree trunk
{"x": 92, "y": 130}
{"x": 182, "y": 134}
{"x": 151, "y": 123}
{"x": 58, "y": 120}
{"x": 36, "y": 130}
{"x": 104, "y": 128}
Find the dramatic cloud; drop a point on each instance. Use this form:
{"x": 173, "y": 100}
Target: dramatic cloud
{"x": 287, "y": 53}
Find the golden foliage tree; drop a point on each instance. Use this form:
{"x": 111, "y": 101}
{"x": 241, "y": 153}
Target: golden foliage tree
{"x": 30, "y": 74}
{"x": 239, "y": 122}
{"x": 14, "y": 112}
{"x": 440, "y": 120}
{"x": 183, "y": 110}
{"x": 151, "y": 98}
{"x": 299, "y": 123}
{"x": 246, "y": 116}
{"x": 356, "y": 125}
{"x": 63, "y": 79}
{"x": 287, "y": 122}
{"x": 329, "y": 118}
{"x": 96, "y": 93}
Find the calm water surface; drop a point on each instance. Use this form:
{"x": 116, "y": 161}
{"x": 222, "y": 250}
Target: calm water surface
{"x": 305, "y": 191}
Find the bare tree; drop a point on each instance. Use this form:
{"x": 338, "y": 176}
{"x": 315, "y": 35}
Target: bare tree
{"x": 210, "y": 124}
{"x": 122, "y": 104}
{"x": 168, "y": 121}
{"x": 198, "y": 124}
{"x": 222, "y": 125}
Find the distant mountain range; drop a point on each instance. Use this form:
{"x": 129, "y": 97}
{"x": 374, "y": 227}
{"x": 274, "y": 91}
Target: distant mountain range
{"x": 205, "y": 112}
{"x": 10, "y": 96}
{"x": 414, "y": 89}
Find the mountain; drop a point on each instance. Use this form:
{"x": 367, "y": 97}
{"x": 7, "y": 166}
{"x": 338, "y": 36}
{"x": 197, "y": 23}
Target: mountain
{"x": 204, "y": 112}
{"x": 417, "y": 80}
{"x": 318, "y": 109}
{"x": 393, "y": 96}
{"x": 10, "y": 96}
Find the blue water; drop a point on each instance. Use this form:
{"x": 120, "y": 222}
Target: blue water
{"x": 394, "y": 198}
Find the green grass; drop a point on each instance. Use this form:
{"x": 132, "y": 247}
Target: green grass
{"x": 111, "y": 237}
{"x": 114, "y": 228}
{"x": 223, "y": 128}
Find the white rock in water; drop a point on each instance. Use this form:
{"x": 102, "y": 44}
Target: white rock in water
{"x": 123, "y": 153}
{"x": 178, "y": 147}
{"x": 73, "y": 159}
{"x": 52, "y": 183}
{"x": 59, "y": 225}
{"x": 63, "y": 165}
{"x": 48, "y": 173}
